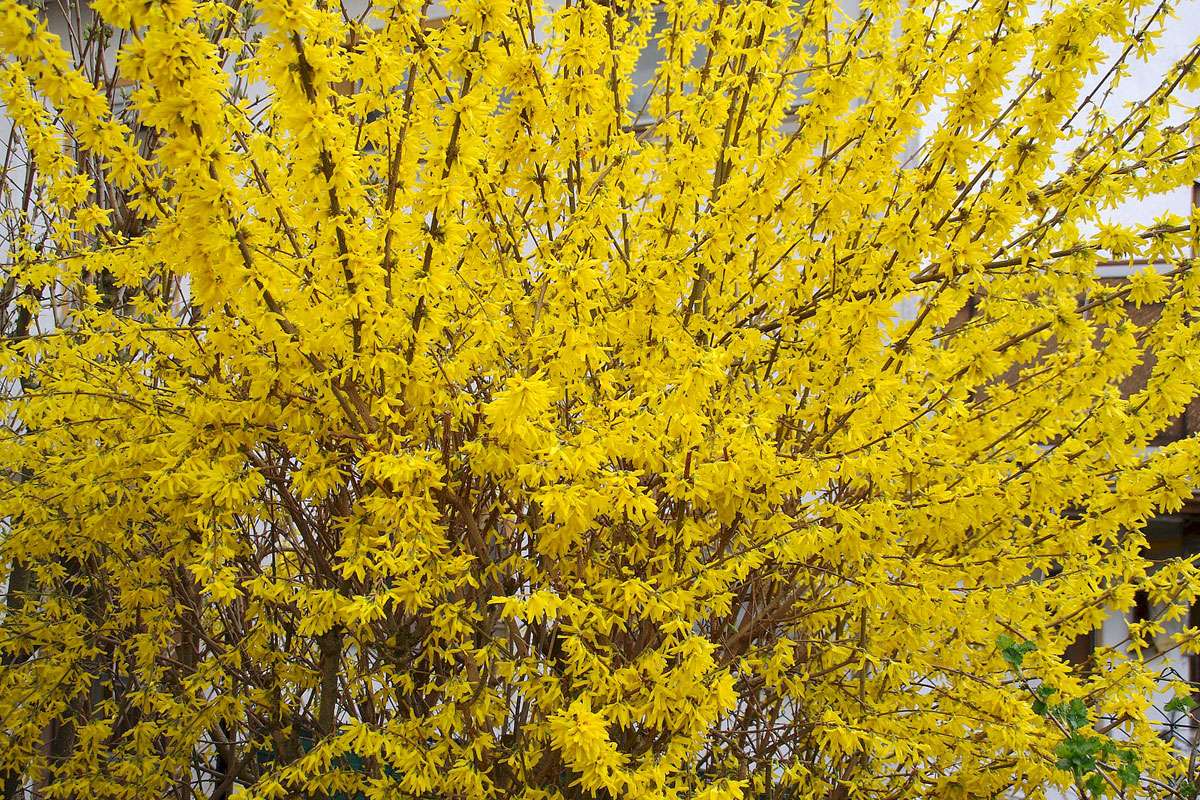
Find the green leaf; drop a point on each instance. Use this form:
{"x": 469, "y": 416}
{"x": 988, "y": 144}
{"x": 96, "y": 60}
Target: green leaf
{"x": 1129, "y": 774}
{"x": 1077, "y": 753}
{"x": 1041, "y": 695}
{"x": 1014, "y": 652}
{"x": 1180, "y": 702}
{"x": 1073, "y": 714}
{"x": 1095, "y": 784}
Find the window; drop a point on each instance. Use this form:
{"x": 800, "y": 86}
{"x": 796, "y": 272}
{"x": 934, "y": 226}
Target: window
{"x": 1141, "y": 606}
{"x": 1080, "y": 651}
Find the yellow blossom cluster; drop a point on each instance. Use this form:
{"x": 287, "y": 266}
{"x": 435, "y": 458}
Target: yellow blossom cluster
{"x": 393, "y": 410}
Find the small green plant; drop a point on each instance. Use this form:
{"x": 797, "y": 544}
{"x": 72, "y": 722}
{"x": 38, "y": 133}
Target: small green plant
{"x": 1095, "y": 760}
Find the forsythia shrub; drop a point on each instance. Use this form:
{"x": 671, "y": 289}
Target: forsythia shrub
{"x": 395, "y": 410}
